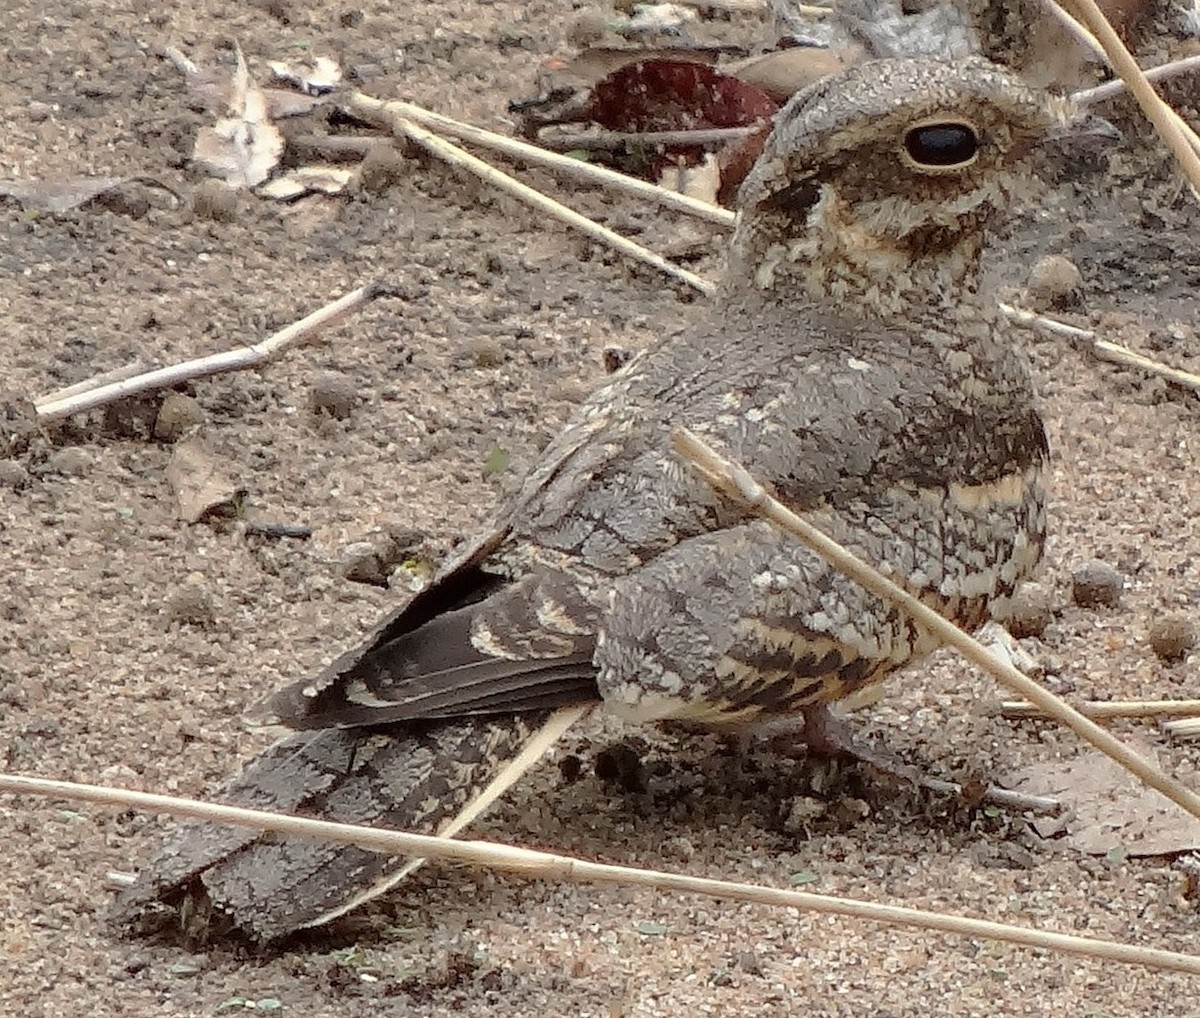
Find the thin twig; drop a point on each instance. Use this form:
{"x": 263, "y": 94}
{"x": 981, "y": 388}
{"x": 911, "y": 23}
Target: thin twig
{"x": 53, "y": 407}
{"x": 609, "y": 141}
{"x": 755, "y": 7}
{"x": 1107, "y": 709}
{"x": 1000, "y": 796}
{"x": 295, "y": 531}
{"x": 104, "y": 378}
{"x": 1101, "y": 348}
{"x": 1089, "y": 96}
{"x": 1185, "y": 728}
{"x": 463, "y": 160}
{"x": 1074, "y": 28}
{"x": 1032, "y": 320}
{"x": 385, "y": 114}
{"x": 180, "y": 60}
{"x": 735, "y": 481}
{"x": 547, "y": 866}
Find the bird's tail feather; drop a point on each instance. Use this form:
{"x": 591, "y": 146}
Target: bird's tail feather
{"x": 433, "y": 777}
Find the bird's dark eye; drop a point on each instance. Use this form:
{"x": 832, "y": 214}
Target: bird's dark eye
{"x": 941, "y": 145}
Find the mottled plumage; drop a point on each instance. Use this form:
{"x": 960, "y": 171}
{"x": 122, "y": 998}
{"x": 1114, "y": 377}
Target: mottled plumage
{"x": 848, "y": 361}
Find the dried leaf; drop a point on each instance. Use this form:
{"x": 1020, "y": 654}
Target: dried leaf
{"x": 245, "y": 147}
{"x": 647, "y": 18}
{"x": 649, "y": 928}
{"x": 1113, "y": 811}
{"x": 214, "y": 92}
{"x": 200, "y": 484}
{"x": 319, "y": 177}
{"x": 318, "y": 78}
{"x": 782, "y": 73}
{"x": 566, "y": 85}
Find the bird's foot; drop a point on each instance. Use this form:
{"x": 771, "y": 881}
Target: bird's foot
{"x": 830, "y": 735}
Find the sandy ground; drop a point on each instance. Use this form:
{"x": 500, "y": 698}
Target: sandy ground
{"x": 500, "y": 329}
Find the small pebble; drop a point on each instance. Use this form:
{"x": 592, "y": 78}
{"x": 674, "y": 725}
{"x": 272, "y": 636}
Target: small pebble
{"x": 13, "y": 475}
{"x": 615, "y": 358}
{"x": 621, "y": 764}
{"x": 487, "y": 352}
{"x": 334, "y": 394}
{"x": 191, "y": 604}
{"x": 215, "y": 200}
{"x": 365, "y": 72}
{"x": 570, "y": 767}
{"x": 178, "y": 415}
{"x": 361, "y": 562}
{"x": 588, "y": 29}
{"x": 801, "y": 812}
{"x": 1096, "y": 584}
{"x": 1172, "y": 637}
{"x": 383, "y": 166}
{"x": 749, "y": 962}
{"x": 1054, "y": 284}
{"x": 1030, "y": 611}
{"x": 71, "y": 462}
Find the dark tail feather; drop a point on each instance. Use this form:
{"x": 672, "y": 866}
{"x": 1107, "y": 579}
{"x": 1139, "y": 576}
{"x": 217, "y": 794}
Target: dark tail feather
{"x": 208, "y": 881}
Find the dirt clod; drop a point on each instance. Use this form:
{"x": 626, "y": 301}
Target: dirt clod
{"x": 621, "y": 765}
{"x": 361, "y": 562}
{"x": 73, "y": 461}
{"x": 1030, "y": 611}
{"x": 13, "y": 475}
{"x": 177, "y": 416}
{"x": 190, "y": 604}
{"x": 383, "y": 167}
{"x": 615, "y": 358}
{"x": 487, "y": 352}
{"x": 1054, "y": 284}
{"x": 215, "y": 200}
{"x": 1172, "y": 637}
{"x": 333, "y": 394}
{"x": 1096, "y": 584}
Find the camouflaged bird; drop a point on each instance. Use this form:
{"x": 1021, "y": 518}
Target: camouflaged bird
{"x": 848, "y": 361}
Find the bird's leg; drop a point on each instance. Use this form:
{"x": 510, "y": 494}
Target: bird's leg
{"x": 824, "y": 733}
{"x": 831, "y": 735}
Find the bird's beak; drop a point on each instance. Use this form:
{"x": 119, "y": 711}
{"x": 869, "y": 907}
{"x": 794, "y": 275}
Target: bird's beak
{"x": 1086, "y": 131}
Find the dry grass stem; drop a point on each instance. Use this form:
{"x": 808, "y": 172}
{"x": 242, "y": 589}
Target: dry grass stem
{"x": 1098, "y": 34}
{"x": 735, "y": 481}
{"x": 1101, "y": 348}
{"x": 1077, "y": 31}
{"x": 728, "y": 6}
{"x": 606, "y": 141}
{"x": 89, "y": 396}
{"x": 1185, "y": 728}
{"x": 180, "y": 60}
{"x": 1000, "y": 796}
{"x": 1052, "y": 326}
{"x": 104, "y": 378}
{"x": 1088, "y": 96}
{"x": 1106, "y": 709}
{"x": 547, "y": 866}
{"x": 463, "y": 160}
{"x": 386, "y": 114}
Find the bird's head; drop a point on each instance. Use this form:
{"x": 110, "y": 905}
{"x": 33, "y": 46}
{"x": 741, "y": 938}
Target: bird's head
{"x": 883, "y": 180}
